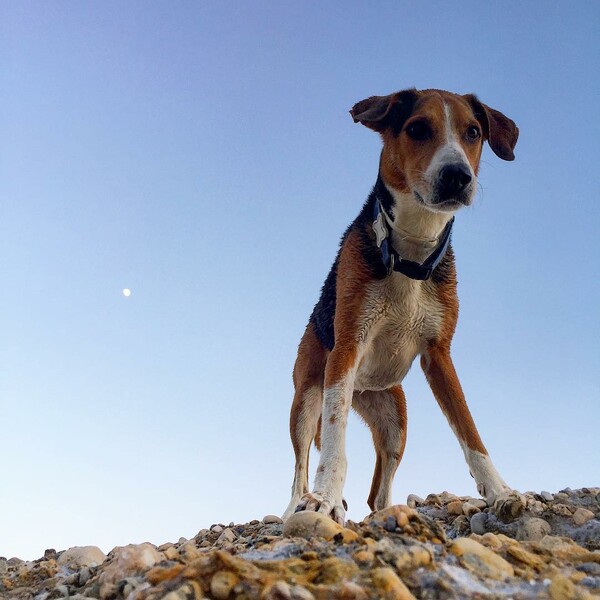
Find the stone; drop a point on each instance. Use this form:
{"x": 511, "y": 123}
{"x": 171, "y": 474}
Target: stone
{"x": 126, "y": 561}
{"x": 269, "y": 519}
{"x": 561, "y": 588}
{"x": 533, "y": 529}
{"x": 84, "y": 576}
{"x": 188, "y": 550}
{"x": 171, "y": 553}
{"x": 227, "y": 536}
{"x": 81, "y": 556}
{"x": 411, "y": 558}
{"x": 582, "y": 516}
{"x": 280, "y": 590}
{"x": 455, "y": 507}
{"x": 478, "y": 523}
{"x": 413, "y": 501}
{"x": 481, "y": 560}
{"x": 188, "y": 591}
{"x": 222, "y": 584}
{"x": 349, "y": 590}
{"x": 562, "y": 548}
{"x": 562, "y": 510}
{"x": 399, "y": 513}
{"x": 491, "y": 540}
{"x": 363, "y": 558}
{"x": 470, "y": 509}
{"x": 547, "y": 496}
{"x": 309, "y": 524}
{"x": 525, "y": 557}
{"x": 389, "y": 585}
{"x": 433, "y": 499}
{"x": 301, "y": 593}
{"x": 480, "y": 503}
{"x": 216, "y": 528}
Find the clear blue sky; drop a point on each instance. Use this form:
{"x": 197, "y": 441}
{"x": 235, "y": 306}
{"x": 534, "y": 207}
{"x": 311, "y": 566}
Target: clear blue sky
{"x": 202, "y": 155}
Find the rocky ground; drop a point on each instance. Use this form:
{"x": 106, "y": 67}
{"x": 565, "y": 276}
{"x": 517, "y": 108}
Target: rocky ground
{"x": 442, "y": 546}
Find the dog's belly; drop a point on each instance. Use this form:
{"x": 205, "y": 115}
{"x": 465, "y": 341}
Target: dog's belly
{"x": 409, "y": 317}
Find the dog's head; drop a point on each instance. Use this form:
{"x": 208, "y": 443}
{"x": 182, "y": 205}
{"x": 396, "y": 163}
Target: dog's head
{"x": 432, "y": 142}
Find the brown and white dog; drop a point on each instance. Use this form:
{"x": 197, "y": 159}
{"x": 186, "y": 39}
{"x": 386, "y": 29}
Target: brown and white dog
{"x": 391, "y": 295}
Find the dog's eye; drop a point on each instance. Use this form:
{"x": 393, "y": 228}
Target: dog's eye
{"x": 418, "y": 130}
{"x": 473, "y": 133}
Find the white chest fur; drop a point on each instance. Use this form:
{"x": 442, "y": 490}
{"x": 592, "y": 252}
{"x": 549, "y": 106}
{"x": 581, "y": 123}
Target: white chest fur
{"x": 400, "y": 315}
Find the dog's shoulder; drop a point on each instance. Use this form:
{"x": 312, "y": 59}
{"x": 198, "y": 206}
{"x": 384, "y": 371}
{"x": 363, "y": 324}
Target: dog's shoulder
{"x": 360, "y": 235}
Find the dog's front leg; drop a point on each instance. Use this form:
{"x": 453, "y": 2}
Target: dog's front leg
{"x": 326, "y": 496}
{"x": 440, "y": 373}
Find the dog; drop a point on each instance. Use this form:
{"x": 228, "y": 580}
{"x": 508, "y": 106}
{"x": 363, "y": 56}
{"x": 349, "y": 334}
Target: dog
{"x": 390, "y": 296}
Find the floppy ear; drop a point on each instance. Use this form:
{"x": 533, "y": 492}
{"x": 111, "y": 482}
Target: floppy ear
{"x": 500, "y": 131}
{"x": 382, "y": 112}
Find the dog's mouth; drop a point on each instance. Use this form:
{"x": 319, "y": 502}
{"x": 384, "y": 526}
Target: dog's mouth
{"x": 445, "y": 205}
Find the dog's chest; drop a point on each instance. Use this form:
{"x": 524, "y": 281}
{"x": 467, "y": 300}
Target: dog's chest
{"x": 400, "y": 315}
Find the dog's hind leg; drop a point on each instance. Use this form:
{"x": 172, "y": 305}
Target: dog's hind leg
{"x": 306, "y": 410}
{"x": 385, "y": 414}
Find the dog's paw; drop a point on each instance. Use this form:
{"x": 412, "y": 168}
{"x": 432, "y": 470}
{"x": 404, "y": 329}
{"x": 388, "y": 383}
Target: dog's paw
{"x": 321, "y": 503}
{"x": 508, "y": 505}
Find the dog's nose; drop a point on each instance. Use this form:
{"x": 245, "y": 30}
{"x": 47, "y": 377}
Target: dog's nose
{"x": 453, "y": 180}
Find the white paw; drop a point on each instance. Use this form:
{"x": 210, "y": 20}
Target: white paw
{"x": 322, "y": 503}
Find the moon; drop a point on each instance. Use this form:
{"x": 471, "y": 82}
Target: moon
{"x": 126, "y": 292}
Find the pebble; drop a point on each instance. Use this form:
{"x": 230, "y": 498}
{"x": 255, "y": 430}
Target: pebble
{"x": 478, "y": 523}
{"x": 227, "y": 536}
{"x": 561, "y": 509}
{"x": 433, "y": 499}
{"x": 469, "y": 509}
{"x": 582, "y": 516}
{"x": 533, "y": 529}
{"x": 375, "y": 558}
{"x": 222, "y": 584}
{"x": 455, "y": 507}
{"x": 82, "y": 556}
{"x": 308, "y": 524}
{"x": 389, "y": 585}
{"x": 413, "y": 501}
{"x": 480, "y": 559}
{"x": 272, "y": 519}
{"x": 351, "y": 591}
{"x": 126, "y": 561}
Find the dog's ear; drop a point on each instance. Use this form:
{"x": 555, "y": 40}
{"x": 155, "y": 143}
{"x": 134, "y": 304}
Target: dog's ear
{"x": 382, "y": 112}
{"x": 500, "y": 131}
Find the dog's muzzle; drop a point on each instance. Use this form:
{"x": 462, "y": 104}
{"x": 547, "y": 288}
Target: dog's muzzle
{"x": 453, "y": 182}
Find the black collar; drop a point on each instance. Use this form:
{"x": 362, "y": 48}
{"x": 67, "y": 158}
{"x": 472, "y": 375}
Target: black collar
{"x": 391, "y": 259}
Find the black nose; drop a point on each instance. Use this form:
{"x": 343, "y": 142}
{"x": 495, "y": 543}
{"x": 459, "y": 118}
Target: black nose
{"x": 453, "y": 180}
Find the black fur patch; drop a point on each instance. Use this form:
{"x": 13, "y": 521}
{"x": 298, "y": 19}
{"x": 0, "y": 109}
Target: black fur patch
{"x": 323, "y": 314}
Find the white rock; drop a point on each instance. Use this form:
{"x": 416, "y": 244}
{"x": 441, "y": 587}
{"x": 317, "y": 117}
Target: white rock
{"x": 127, "y": 561}
{"x": 272, "y": 519}
{"x": 81, "y": 556}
